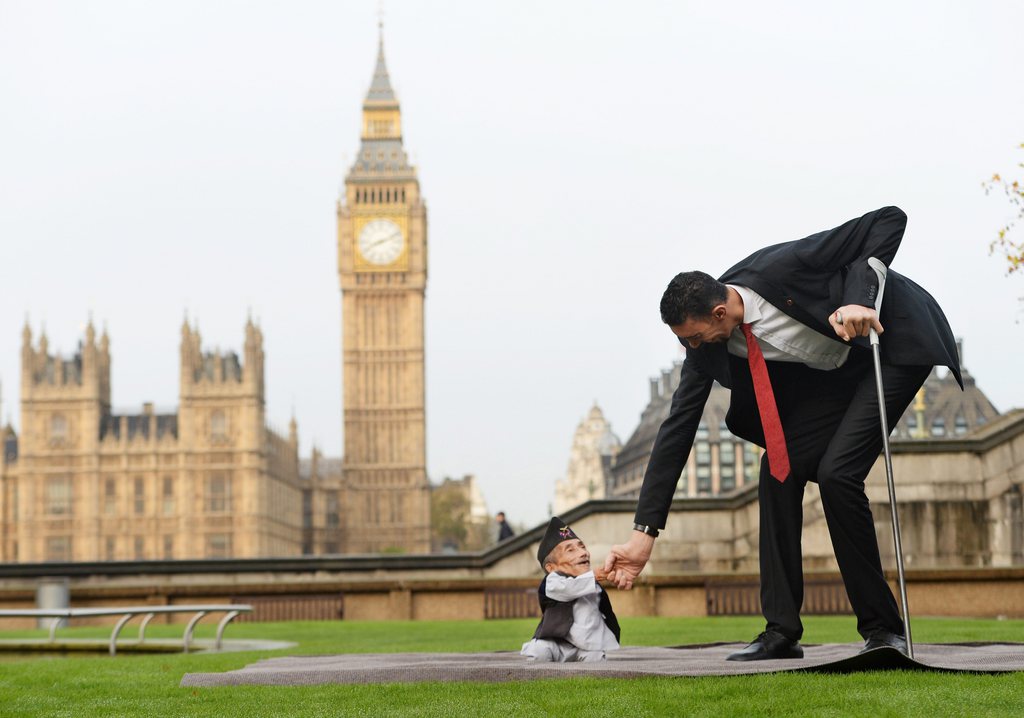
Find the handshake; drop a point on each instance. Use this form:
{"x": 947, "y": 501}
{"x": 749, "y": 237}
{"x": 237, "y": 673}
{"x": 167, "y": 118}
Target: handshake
{"x": 625, "y": 561}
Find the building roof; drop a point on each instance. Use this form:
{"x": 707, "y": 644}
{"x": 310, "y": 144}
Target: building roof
{"x": 138, "y": 425}
{"x": 380, "y": 86}
{"x": 381, "y": 157}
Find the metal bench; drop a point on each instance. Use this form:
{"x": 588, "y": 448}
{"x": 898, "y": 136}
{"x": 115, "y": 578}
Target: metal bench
{"x": 127, "y": 613}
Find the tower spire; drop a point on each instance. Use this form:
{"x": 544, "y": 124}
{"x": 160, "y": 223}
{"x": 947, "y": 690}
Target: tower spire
{"x": 380, "y": 87}
{"x": 381, "y": 152}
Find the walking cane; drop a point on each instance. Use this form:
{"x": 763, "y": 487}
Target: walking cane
{"x": 880, "y": 269}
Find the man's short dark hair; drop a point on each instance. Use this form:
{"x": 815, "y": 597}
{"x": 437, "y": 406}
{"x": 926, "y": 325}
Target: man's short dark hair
{"x": 691, "y": 294}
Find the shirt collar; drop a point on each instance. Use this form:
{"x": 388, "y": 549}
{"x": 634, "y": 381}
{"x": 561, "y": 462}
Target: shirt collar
{"x": 751, "y": 307}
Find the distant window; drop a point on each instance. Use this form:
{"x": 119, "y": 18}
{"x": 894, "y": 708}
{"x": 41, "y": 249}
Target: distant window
{"x": 703, "y": 480}
{"x": 703, "y": 450}
{"x": 168, "y": 546}
{"x": 702, "y": 431}
{"x": 911, "y": 423}
{"x": 218, "y": 494}
{"x": 58, "y": 548}
{"x": 58, "y": 428}
{"x": 727, "y": 478}
{"x": 111, "y": 548}
{"x": 140, "y": 548}
{"x": 939, "y": 426}
{"x": 218, "y": 426}
{"x": 218, "y": 546}
{"x": 960, "y": 425}
{"x": 727, "y": 453}
{"x": 168, "y": 496}
{"x": 58, "y": 496}
{"x": 333, "y": 514}
{"x": 109, "y": 497}
{"x": 139, "y": 503}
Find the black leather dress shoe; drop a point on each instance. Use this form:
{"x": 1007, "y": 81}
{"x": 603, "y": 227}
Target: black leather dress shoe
{"x": 882, "y": 639}
{"x": 769, "y": 644}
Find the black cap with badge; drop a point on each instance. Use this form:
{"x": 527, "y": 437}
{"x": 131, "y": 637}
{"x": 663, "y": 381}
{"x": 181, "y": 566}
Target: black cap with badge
{"x": 557, "y": 532}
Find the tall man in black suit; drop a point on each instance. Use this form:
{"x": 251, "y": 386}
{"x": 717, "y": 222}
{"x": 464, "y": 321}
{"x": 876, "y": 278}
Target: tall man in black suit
{"x": 785, "y": 330}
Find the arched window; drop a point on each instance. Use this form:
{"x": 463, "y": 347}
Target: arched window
{"x": 938, "y": 426}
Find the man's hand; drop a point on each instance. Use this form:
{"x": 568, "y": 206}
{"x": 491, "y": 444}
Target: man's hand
{"x": 853, "y": 320}
{"x": 626, "y": 561}
{"x": 600, "y": 574}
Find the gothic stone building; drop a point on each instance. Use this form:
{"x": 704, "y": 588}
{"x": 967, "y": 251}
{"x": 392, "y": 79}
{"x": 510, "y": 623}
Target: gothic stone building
{"x": 82, "y": 483}
{"x": 589, "y": 474}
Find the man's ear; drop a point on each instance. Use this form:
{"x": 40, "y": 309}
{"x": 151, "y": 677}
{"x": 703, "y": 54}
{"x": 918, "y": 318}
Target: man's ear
{"x": 719, "y": 312}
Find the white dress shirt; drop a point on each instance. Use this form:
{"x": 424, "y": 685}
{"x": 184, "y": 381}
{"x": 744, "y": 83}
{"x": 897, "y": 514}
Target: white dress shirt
{"x": 783, "y": 338}
{"x": 589, "y": 631}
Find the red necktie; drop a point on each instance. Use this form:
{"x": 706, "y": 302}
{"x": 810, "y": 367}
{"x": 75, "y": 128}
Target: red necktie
{"x": 774, "y": 439}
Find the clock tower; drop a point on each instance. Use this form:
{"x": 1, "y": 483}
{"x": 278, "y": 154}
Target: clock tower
{"x": 382, "y": 265}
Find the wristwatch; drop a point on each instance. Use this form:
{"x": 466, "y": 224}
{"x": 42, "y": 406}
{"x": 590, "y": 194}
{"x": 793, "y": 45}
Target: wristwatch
{"x": 649, "y": 530}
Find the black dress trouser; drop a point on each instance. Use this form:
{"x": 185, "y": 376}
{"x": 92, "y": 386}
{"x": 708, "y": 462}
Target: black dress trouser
{"x": 833, "y": 435}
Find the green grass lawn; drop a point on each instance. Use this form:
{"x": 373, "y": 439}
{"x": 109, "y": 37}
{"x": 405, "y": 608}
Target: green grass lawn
{"x": 147, "y": 685}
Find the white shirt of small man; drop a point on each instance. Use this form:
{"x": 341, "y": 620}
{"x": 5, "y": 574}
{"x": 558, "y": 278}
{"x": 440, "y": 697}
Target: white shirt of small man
{"x": 589, "y": 636}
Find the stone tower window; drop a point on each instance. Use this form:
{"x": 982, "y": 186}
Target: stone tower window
{"x": 139, "y": 503}
{"x": 218, "y": 426}
{"x": 333, "y": 512}
{"x": 168, "y": 493}
{"x": 109, "y": 497}
{"x": 58, "y": 496}
{"x": 939, "y": 426}
{"x": 218, "y": 494}
{"x": 58, "y": 429}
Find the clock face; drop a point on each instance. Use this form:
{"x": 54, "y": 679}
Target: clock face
{"x": 381, "y": 241}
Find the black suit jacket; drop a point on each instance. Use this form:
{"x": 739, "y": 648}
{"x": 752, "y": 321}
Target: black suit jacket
{"x": 807, "y": 279}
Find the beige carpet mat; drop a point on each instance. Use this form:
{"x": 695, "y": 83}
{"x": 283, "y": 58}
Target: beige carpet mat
{"x": 631, "y": 662}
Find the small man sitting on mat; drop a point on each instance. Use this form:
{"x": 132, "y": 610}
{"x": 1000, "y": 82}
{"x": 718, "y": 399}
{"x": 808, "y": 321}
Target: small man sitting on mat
{"x": 577, "y": 622}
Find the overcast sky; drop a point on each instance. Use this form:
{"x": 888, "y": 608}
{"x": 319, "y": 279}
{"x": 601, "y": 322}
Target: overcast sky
{"x": 160, "y": 158}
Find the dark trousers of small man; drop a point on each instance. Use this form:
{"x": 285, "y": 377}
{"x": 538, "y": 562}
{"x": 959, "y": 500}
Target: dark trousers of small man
{"x": 833, "y": 435}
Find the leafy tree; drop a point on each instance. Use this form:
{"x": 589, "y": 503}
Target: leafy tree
{"x": 1012, "y": 250}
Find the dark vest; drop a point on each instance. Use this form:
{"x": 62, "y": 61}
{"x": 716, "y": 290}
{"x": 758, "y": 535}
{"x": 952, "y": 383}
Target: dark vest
{"x": 556, "y": 616}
